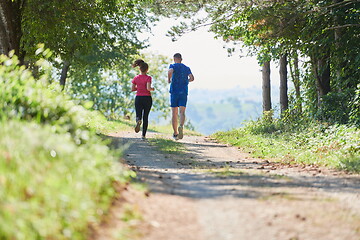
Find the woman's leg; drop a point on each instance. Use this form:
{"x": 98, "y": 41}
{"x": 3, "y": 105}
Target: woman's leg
{"x": 138, "y": 110}
{"x": 147, "y": 107}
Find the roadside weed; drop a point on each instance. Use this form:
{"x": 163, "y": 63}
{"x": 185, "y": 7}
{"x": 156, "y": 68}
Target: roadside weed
{"x": 168, "y": 146}
{"x": 336, "y": 146}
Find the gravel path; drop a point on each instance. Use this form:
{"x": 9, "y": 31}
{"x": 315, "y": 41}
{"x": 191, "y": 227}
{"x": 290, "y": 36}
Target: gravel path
{"x": 216, "y": 192}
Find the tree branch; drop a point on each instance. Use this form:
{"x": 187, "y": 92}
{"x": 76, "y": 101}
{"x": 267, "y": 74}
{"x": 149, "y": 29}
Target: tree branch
{"x": 343, "y": 26}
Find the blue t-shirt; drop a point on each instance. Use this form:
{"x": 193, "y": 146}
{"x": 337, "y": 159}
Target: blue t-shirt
{"x": 180, "y": 78}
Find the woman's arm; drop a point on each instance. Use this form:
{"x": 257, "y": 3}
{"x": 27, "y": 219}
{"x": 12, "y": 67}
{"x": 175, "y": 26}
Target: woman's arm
{"x": 148, "y": 86}
{"x": 133, "y": 87}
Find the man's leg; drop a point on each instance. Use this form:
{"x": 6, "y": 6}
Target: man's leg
{"x": 182, "y": 122}
{"x": 174, "y": 119}
{"x": 182, "y": 116}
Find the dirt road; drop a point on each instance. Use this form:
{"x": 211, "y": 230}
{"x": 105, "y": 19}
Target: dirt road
{"x": 215, "y": 192}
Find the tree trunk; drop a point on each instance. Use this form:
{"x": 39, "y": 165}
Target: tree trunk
{"x": 10, "y": 27}
{"x": 64, "y": 73}
{"x": 321, "y": 69}
{"x": 341, "y": 82}
{"x": 323, "y": 77}
{"x": 266, "y": 90}
{"x": 295, "y": 76}
{"x": 284, "y": 100}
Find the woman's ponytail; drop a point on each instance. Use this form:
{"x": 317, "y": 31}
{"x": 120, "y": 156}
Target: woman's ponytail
{"x": 137, "y": 62}
{"x": 141, "y": 64}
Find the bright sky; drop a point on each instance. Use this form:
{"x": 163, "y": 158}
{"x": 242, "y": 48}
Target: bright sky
{"x": 208, "y": 60}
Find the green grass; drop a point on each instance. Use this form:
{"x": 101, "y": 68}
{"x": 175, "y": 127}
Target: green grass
{"x": 227, "y": 172}
{"x": 168, "y": 146}
{"x": 51, "y": 187}
{"x": 57, "y": 175}
{"x": 332, "y": 146}
{"x": 101, "y": 125}
{"x": 167, "y": 129}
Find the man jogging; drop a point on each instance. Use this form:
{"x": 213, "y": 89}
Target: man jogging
{"x": 179, "y": 76}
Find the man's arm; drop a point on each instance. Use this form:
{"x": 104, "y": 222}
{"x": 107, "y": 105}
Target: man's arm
{"x": 191, "y": 77}
{"x": 170, "y": 73}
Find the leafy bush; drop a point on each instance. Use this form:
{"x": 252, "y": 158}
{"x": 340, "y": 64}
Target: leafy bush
{"x": 265, "y": 124}
{"x": 23, "y": 97}
{"x": 336, "y": 146}
{"x": 355, "y": 108}
{"x": 56, "y": 175}
{"x": 335, "y": 107}
{"x": 50, "y": 187}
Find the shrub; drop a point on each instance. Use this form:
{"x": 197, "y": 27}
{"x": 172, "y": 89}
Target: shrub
{"x": 355, "y": 108}
{"x": 264, "y": 125}
{"x": 335, "y": 107}
{"x": 56, "y": 175}
{"x": 336, "y": 146}
{"x": 50, "y": 187}
{"x": 23, "y": 97}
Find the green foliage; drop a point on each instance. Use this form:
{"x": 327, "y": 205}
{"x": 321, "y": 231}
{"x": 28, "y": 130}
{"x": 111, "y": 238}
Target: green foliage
{"x": 110, "y": 89}
{"x": 309, "y": 142}
{"x": 101, "y": 125}
{"x": 355, "y": 108}
{"x": 51, "y": 187}
{"x": 56, "y": 175}
{"x": 84, "y": 32}
{"x": 265, "y": 124}
{"x": 335, "y": 107}
{"x": 25, "y": 98}
{"x": 321, "y": 34}
{"x": 158, "y": 66}
{"x": 168, "y": 146}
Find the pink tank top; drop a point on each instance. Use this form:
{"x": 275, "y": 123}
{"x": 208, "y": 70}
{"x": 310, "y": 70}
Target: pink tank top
{"x": 140, "y": 81}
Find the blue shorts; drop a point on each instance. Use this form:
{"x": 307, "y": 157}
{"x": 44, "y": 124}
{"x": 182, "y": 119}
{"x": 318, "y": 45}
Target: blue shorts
{"x": 178, "y": 100}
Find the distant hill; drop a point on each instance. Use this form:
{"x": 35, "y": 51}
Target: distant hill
{"x": 210, "y": 111}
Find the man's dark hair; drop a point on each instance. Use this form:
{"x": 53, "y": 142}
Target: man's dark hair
{"x": 177, "y": 55}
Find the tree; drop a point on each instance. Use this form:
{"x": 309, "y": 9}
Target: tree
{"x": 266, "y": 87}
{"x": 295, "y": 76}
{"x": 10, "y": 26}
{"x": 110, "y": 89}
{"x": 86, "y": 32}
{"x": 325, "y": 34}
{"x": 284, "y": 101}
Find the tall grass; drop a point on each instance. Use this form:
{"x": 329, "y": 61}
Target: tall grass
{"x": 51, "y": 187}
{"x": 299, "y": 141}
{"x": 56, "y": 173}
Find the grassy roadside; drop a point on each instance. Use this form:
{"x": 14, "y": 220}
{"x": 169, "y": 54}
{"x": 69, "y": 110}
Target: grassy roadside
{"x": 57, "y": 175}
{"x": 52, "y": 187}
{"x": 167, "y": 129}
{"x": 314, "y": 143}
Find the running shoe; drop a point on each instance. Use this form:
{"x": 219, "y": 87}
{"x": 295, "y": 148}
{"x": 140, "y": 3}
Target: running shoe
{"x": 176, "y": 137}
{"x": 181, "y": 132}
{"x": 138, "y": 124}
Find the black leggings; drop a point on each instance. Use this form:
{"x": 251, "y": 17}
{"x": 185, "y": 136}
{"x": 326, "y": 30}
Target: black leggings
{"x": 142, "y": 107}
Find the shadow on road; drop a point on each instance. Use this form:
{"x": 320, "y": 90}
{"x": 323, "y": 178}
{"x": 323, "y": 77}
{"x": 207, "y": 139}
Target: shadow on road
{"x": 197, "y": 176}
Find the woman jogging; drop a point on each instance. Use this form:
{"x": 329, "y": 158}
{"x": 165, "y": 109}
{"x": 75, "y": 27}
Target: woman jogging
{"x": 143, "y": 100}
